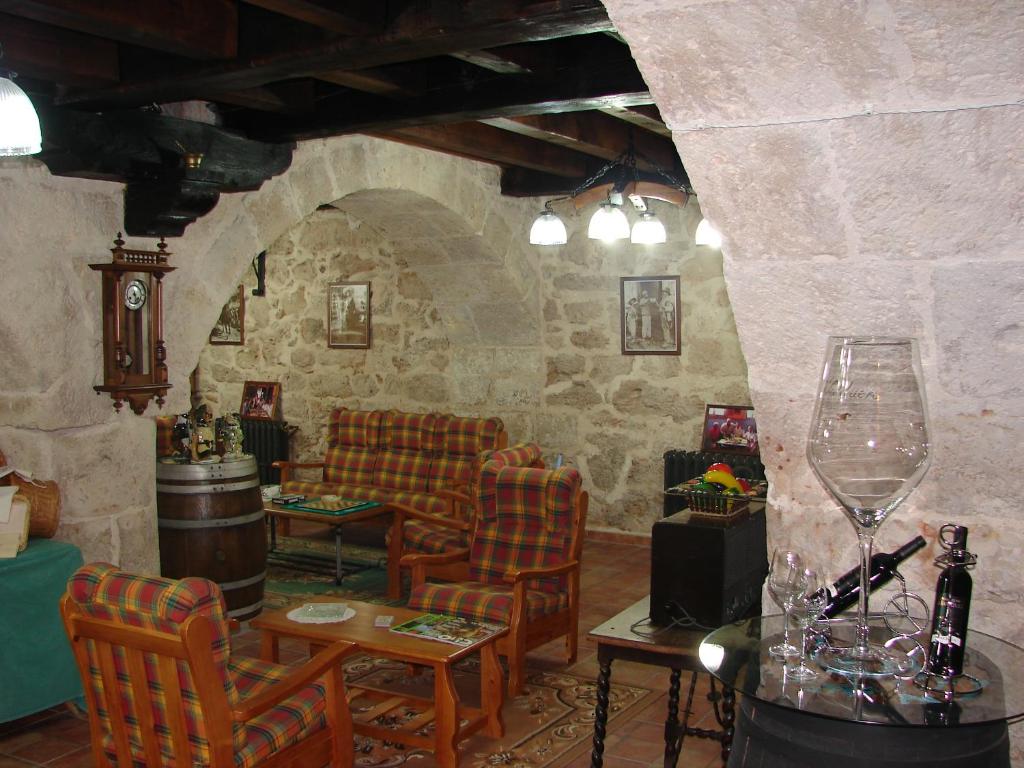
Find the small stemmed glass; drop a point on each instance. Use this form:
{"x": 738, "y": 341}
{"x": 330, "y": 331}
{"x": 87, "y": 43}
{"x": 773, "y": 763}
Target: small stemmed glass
{"x": 785, "y": 586}
{"x": 806, "y": 608}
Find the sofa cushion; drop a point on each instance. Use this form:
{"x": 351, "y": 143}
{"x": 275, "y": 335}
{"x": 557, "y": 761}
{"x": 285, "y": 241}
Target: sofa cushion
{"x": 409, "y": 431}
{"x": 463, "y": 439}
{"x": 358, "y": 429}
{"x": 349, "y": 465}
{"x": 402, "y": 470}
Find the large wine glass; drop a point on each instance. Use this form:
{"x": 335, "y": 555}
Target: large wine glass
{"x": 869, "y": 446}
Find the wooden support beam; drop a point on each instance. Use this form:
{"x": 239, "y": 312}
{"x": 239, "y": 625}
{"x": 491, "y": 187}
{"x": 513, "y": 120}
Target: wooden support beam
{"x": 49, "y": 53}
{"x": 197, "y": 29}
{"x": 351, "y": 18}
{"x": 644, "y": 116}
{"x": 596, "y": 134}
{"x": 508, "y": 22}
{"x": 481, "y": 142}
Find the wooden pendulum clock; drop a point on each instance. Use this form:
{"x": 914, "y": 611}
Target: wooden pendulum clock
{"x": 134, "y": 355}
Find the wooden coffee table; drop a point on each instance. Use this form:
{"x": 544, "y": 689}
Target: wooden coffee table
{"x": 453, "y": 721}
{"x": 365, "y": 511}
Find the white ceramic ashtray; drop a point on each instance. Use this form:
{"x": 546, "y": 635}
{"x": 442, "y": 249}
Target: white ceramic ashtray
{"x": 321, "y": 613}
{"x": 270, "y": 491}
{"x": 330, "y": 498}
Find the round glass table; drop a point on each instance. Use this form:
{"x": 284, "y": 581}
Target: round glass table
{"x": 839, "y": 721}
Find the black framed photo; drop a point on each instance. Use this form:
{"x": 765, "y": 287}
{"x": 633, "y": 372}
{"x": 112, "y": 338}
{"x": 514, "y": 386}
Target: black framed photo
{"x": 729, "y": 428}
{"x": 649, "y": 312}
{"x": 230, "y": 326}
{"x": 348, "y": 315}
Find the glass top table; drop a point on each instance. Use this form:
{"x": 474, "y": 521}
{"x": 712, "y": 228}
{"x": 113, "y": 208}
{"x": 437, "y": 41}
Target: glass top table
{"x": 737, "y": 654}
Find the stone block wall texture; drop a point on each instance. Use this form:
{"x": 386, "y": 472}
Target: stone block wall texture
{"x": 474, "y": 321}
{"x": 888, "y": 138}
{"x": 467, "y": 317}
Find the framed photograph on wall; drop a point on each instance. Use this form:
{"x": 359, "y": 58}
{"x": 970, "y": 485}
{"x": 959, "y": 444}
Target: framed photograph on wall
{"x": 261, "y": 400}
{"x": 649, "y": 314}
{"x": 348, "y": 315}
{"x": 729, "y": 428}
{"x": 230, "y": 326}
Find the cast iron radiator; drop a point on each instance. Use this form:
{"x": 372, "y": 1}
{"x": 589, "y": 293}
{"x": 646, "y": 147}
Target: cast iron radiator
{"x": 268, "y": 441}
{"x": 681, "y": 466}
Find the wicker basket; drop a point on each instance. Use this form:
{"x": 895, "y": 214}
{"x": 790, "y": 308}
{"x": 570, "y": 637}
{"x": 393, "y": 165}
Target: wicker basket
{"x": 43, "y": 497}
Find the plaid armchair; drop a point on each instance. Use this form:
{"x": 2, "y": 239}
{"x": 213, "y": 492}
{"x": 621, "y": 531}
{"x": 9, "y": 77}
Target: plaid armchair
{"x": 163, "y": 689}
{"x": 523, "y": 565}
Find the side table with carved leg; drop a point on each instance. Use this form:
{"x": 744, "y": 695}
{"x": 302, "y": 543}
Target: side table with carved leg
{"x": 628, "y": 636}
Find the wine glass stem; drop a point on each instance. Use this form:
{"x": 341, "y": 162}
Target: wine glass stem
{"x": 785, "y": 626}
{"x": 866, "y": 540}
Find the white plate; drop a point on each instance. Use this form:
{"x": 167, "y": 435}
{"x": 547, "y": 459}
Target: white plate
{"x": 321, "y": 613}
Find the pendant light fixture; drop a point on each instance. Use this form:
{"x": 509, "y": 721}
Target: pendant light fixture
{"x": 648, "y": 230}
{"x": 707, "y": 235}
{"x": 609, "y": 223}
{"x": 548, "y": 229}
{"x": 19, "y": 124}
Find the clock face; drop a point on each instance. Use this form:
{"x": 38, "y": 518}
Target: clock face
{"x": 135, "y": 294}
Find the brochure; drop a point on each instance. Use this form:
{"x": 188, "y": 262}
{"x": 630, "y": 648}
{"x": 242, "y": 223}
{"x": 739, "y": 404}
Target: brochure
{"x": 447, "y": 629}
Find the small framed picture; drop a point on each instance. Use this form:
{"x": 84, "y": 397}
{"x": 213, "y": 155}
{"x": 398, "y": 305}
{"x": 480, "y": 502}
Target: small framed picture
{"x": 729, "y": 428}
{"x": 230, "y": 326}
{"x": 649, "y": 312}
{"x": 348, "y": 315}
{"x": 261, "y": 400}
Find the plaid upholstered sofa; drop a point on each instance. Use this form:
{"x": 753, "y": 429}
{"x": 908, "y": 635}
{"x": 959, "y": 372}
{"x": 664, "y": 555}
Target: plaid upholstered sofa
{"x": 426, "y": 461}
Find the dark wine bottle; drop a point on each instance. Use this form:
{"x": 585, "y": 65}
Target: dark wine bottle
{"x": 845, "y": 591}
{"x": 952, "y": 607}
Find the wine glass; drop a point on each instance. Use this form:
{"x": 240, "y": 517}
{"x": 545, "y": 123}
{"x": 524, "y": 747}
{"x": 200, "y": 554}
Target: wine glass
{"x": 783, "y": 587}
{"x": 806, "y": 607}
{"x": 869, "y": 446}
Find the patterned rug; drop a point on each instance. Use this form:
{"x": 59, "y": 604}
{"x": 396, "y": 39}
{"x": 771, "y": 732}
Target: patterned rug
{"x": 549, "y": 724}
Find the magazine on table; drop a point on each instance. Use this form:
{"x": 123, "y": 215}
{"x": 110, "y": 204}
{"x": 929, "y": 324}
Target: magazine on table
{"x": 447, "y": 629}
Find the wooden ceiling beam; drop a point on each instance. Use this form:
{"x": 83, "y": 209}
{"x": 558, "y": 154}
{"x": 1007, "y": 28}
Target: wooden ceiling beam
{"x": 595, "y": 134}
{"x": 484, "y": 143}
{"x": 644, "y": 116}
{"x": 369, "y": 81}
{"x": 509, "y": 21}
{"x": 352, "y": 18}
{"x": 528, "y": 96}
{"x": 50, "y": 53}
{"x": 197, "y": 29}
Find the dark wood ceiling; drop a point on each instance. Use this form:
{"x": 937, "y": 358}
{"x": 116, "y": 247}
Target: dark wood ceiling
{"x": 544, "y": 89}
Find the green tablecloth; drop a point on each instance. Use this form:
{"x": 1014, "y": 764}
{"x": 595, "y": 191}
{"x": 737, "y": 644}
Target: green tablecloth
{"x": 37, "y": 669}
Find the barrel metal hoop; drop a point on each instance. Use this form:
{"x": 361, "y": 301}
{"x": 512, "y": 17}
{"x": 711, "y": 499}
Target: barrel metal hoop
{"x": 220, "y": 522}
{"x": 206, "y": 472}
{"x": 183, "y": 490}
{"x": 246, "y": 609}
{"x": 257, "y": 579}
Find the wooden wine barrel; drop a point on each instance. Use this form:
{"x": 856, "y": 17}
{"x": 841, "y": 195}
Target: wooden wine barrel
{"x": 211, "y": 524}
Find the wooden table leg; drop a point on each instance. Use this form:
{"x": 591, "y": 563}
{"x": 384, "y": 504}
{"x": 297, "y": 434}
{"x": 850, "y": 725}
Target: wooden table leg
{"x": 728, "y": 721}
{"x": 492, "y": 690}
{"x": 604, "y": 683}
{"x": 446, "y": 722}
{"x": 673, "y": 734}
{"x": 337, "y": 555}
{"x": 269, "y": 650}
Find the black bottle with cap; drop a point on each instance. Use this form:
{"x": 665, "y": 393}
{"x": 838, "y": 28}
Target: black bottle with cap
{"x": 952, "y": 605}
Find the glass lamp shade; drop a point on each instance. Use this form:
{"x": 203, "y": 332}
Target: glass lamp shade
{"x": 548, "y": 229}
{"x": 608, "y": 223}
{"x": 648, "y": 230}
{"x": 19, "y": 124}
{"x": 707, "y": 235}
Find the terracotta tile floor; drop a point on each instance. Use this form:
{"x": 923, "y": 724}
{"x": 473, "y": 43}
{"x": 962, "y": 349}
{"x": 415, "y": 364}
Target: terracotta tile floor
{"x": 615, "y": 575}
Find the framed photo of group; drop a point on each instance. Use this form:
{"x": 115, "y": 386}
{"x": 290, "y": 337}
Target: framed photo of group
{"x": 348, "y": 315}
{"x": 729, "y": 428}
{"x": 649, "y": 313}
{"x": 261, "y": 400}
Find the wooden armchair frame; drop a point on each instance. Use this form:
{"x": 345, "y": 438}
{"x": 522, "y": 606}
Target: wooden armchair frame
{"x": 331, "y": 744}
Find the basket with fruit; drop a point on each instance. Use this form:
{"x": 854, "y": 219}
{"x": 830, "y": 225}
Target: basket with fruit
{"x": 719, "y": 491}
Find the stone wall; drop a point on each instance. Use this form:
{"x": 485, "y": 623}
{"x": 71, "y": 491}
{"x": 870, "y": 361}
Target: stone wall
{"x": 477, "y": 322}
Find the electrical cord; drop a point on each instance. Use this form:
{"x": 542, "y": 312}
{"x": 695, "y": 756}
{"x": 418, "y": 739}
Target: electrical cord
{"x": 683, "y": 620}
